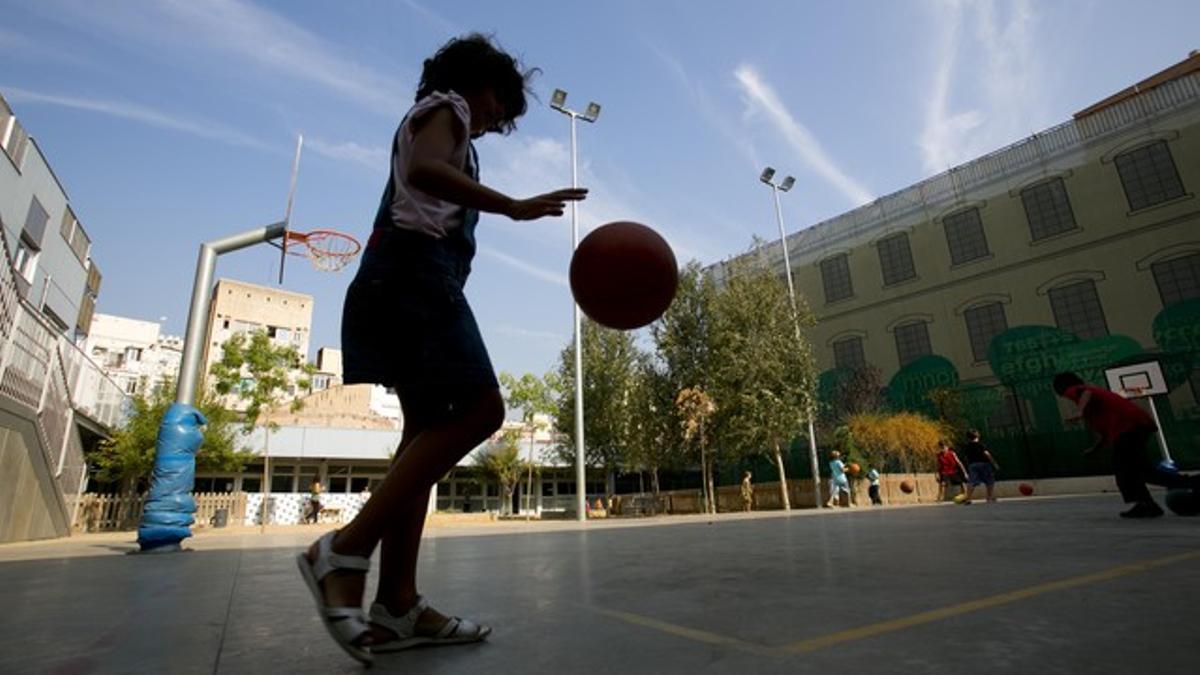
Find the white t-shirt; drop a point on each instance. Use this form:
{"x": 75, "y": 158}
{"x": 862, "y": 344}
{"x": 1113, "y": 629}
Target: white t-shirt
{"x": 410, "y": 208}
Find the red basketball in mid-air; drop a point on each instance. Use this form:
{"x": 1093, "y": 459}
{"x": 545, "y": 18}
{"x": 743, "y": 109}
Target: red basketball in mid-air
{"x": 906, "y": 487}
{"x": 623, "y": 275}
{"x": 1025, "y": 488}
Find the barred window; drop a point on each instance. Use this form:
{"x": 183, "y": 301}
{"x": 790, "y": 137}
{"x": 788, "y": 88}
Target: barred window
{"x": 1047, "y": 209}
{"x": 835, "y": 275}
{"x": 1177, "y": 279}
{"x": 984, "y": 323}
{"x": 1148, "y": 175}
{"x": 912, "y": 341}
{"x": 848, "y": 354}
{"x": 965, "y": 237}
{"x": 895, "y": 258}
{"x": 1077, "y": 309}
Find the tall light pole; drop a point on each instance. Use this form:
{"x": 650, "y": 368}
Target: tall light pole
{"x": 558, "y": 101}
{"x": 767, "y": 175}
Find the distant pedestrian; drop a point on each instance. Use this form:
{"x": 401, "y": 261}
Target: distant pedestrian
{"x": 873, "y": 490}
{"x": 313, "y": 514}
{"x": 747, "y": 492}
{"x": 838, "y": 481}
{"x": 981, "y": 466}
{"x": 950, "y": 472}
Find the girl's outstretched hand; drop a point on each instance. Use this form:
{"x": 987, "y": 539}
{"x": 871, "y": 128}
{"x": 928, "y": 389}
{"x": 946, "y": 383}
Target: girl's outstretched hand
{"x": 549, "y": 204}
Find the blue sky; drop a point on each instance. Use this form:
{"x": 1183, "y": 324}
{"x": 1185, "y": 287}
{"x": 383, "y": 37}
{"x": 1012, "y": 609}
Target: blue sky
{"x": 173, "y": 122}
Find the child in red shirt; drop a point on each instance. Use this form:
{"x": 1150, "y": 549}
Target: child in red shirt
{"x": 1124, "y": 427}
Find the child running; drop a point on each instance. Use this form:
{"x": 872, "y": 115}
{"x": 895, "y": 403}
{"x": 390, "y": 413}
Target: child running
{"x": 406, "y": 325}
{"x": 1125, "y": 428}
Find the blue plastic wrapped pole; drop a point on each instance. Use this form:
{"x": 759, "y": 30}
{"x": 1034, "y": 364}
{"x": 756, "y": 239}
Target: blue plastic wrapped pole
{"x": 168, "y": 515}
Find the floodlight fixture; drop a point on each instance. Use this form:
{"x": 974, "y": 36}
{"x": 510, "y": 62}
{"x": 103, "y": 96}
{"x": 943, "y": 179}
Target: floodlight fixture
{"x": 787, "y": 184}
{"x": 592, "y": 112}
{"x": 558, "y": 99}
{"x": 767, "y": 174}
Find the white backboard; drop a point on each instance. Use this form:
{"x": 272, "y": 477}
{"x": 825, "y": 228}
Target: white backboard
{"x": 1146, "y": 377}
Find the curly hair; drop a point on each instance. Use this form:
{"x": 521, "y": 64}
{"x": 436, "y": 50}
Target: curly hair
{"x": 472, "y": 63}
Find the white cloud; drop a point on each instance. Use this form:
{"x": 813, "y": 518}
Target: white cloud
{"x": 434, "y": 18}
{"x": 139, "y": 113}
{"x": 1005, "y": 99}
{"x": 531, "y": 165}
{"x": 761, "y": 97}
{"x": 371, "y": 157}
{"x": 251, "y": 34}
{"x": 526, "y": 267}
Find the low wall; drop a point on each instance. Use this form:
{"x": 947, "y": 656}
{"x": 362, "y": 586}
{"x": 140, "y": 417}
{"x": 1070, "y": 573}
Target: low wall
{"x": 767, "y": 496}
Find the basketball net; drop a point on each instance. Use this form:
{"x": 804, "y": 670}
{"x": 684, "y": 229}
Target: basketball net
{"x": 327, "y": 250}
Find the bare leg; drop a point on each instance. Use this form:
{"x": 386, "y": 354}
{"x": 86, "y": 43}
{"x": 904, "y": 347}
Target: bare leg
{"x": 401, "y": 498}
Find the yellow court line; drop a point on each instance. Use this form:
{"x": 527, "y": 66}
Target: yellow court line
{"x": 890, "y": 626}
{"x": 685, "y": 632}
{"x": 893, "y": 625}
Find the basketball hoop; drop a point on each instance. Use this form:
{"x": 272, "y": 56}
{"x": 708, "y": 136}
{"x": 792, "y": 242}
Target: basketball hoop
{"x": 1133, "y": 392}
{"x": 327, "y": 250}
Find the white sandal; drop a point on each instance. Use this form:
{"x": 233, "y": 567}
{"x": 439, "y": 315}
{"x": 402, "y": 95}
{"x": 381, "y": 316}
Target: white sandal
{"x": 345, "y": 624}
{"x": 454, "y": 631}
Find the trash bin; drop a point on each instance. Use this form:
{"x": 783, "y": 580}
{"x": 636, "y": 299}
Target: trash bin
{"x": 220, "y": 518}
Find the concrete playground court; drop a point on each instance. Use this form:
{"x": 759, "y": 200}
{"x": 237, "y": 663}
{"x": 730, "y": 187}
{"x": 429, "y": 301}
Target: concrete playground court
{"x": 1024, "y": 585}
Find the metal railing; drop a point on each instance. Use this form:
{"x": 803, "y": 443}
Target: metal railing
{"x": 951, "y": 185}
{"x": 43, "y": 373}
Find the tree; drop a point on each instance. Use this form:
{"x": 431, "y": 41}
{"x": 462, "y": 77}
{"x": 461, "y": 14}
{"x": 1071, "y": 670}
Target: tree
{"x": 128, "y": 457}
{"x": 683, "y": 345}
{"x": 766, "y": 378}
{"x": 533, "y": 396}
{"x": 502, "y": 460}
{"x": 655, "y": 427}
{"x": 258, "y": 372}
{"x": 905, "y": 441}
{"x": 857, "y": 390}
{"x": 609, "y": 362}
{"x": 696, "y": 408}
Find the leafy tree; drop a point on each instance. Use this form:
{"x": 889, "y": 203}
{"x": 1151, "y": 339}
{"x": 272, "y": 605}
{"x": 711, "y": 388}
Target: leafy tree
{"x": 128, "y": 457}
{"x": 696, "y": 409}
{"x": 655, "y": 430}
{"x": 766, "y": 378}
{"x": 683, "y": 337}
{"x": 257, "y": 372}
{"x": 533, "y": 396}
{"x": 609, "y": 363}
{"x": 905, "y": 441}
{"x": 502, "y": 461}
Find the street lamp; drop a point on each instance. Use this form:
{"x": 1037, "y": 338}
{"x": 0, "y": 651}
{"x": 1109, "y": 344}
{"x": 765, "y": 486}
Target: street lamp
{"x": 767, "y": 175}
{"x": 558, "y": 102}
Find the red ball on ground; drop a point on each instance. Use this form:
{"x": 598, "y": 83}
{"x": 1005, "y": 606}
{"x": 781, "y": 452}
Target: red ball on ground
{"x": 906, "y": 487}
{"x": 1025, "y": 488}
{"x": 623, "y": 275}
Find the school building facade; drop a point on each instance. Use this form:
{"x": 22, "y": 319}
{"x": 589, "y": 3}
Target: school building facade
{"x": 1073, "y": 249}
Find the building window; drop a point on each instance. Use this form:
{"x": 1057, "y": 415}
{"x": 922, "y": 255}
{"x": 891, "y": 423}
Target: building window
{"x": 1148, "y": 175}
{"x": 848, "y": 354}
{"x": 965, "y": 237}
{"x": 984, "y": 322}
{"x": 895, "y": 258}
{"x": 835, "y": 275}
{"x": 912, "y": 341}
{"x": 1177, "y": 279}
{"x": 25, "y": 257}
{"x": 133, "y": 354}
{"x": 1048, "y": 209}
{"x": 35, "y": 222}
{"x": 13, "y": 138}
{"x": 1077, "y": 309}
